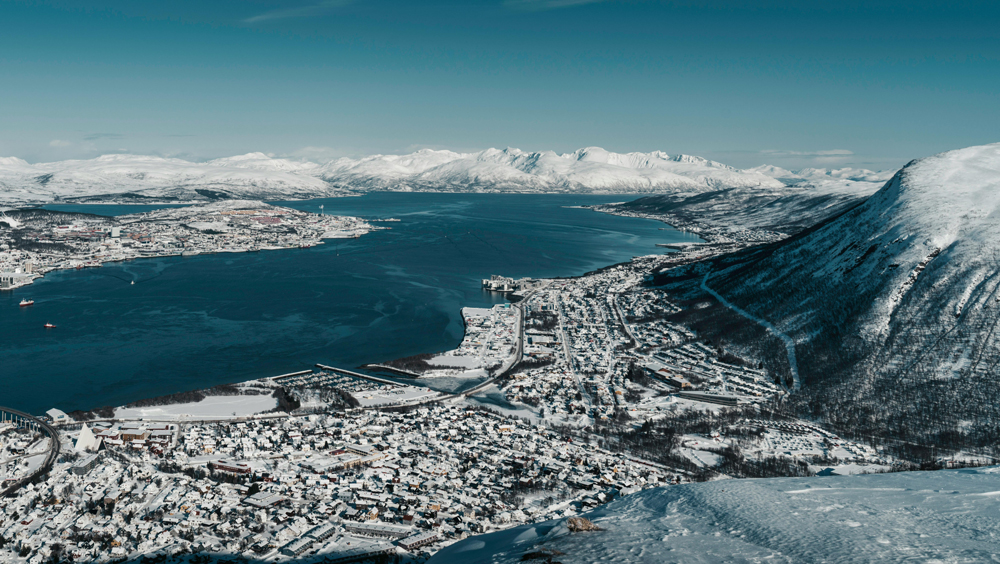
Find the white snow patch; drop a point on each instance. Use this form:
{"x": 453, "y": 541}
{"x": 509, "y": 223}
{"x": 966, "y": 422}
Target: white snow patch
{"x": 212, "y": 407}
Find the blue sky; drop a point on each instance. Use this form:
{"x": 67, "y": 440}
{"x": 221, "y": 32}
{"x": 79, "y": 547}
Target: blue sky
{"x": 870, "y": 84}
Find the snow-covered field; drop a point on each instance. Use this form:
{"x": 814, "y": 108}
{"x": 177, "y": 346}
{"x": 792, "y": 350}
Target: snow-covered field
{"x": 211, "y": 407}
{"x": 401, "y": 394}
{"x": 944, "y": 516}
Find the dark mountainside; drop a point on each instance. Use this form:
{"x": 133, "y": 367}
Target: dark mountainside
{"x": 782, "y": 212}
{"x": 892, "y": 306}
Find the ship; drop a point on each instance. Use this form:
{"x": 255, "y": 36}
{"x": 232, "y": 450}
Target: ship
{"x": 25, "y": 303}
{"x": 49, "y": 326}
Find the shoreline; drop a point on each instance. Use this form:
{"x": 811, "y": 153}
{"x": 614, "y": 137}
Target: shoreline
{"x": 110, "y": 239}
{"x": 183, "y": 254}
{"x": 509, "y": 299}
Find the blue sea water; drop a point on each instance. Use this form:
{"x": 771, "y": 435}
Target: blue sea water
{"x": 194, "y": 322}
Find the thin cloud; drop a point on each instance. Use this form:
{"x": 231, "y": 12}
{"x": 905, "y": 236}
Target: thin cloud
{"x": 96, "y": 136}
{"x": 799, "y": 159}
{"x": 416, "y": 147}
{"x": 59, "y": 143}
{"x": 315, "y": 9}
{"x": 320, "y": 154}
{"x": 540, "y": 5}
{"x": 815, "y": 154}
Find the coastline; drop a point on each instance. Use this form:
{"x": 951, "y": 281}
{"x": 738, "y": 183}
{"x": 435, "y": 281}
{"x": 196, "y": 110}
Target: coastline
{"x": 168, "y": 232}
{"x": 336, "y": 358}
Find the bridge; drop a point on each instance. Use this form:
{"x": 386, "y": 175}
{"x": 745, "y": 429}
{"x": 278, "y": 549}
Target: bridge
{"x": 24, "y": 420}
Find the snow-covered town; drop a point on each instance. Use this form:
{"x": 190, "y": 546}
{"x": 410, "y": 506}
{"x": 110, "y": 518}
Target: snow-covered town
{"x": 339, "y": 486}
{"x": 499, "y": 282}
{"x": 36, "y": 241}
{"x": 579, "y": 392}
{"x": 603, "y": 348}
{"x": 491, "y": 337}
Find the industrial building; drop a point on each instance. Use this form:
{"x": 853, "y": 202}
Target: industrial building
{"x": 418, "y": 540}
{"x": 229, "y": 466}
{"x": 379, "y": 530}
{"x": 85, "y": 464}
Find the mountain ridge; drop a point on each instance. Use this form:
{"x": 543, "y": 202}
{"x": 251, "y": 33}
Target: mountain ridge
{"x": 261, "y": 176}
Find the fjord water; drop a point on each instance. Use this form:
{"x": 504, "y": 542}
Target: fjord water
{"x": 194, "y": 322}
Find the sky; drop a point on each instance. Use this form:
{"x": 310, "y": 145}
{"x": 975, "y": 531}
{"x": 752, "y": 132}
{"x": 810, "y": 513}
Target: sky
{"x": 870, "y": 84}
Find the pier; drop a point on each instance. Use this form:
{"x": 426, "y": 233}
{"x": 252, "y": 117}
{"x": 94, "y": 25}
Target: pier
{"x": 290, "y": 375}
{"x": 391, "y": 369}
{"x": 357, "y": 375}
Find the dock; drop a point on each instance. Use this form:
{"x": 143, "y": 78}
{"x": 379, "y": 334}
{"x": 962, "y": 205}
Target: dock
{"x": 397, "y": 371}
{"x": 358, "y": 375}
{"x": 290, "y": 375}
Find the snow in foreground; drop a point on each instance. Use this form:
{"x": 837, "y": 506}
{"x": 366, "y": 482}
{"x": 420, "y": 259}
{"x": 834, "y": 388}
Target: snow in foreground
{"x": 945, "y": 516}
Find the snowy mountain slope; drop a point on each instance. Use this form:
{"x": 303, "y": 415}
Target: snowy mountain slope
{"x": 384, "y": 170}
{"x": 945, "y": 516}
{"x": 587, "y": 170}
{"x": 894, "y": 304}
{"x": 260, "y": 161}
{"x": 724, "y": 213}
{"x": 152, "y": 177}
{"x": 819, "y": 175}
{"x": 719, "y": 214}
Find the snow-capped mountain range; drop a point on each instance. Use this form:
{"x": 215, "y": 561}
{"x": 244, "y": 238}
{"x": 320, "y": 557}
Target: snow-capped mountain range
{"x": 150, "y": 178}
{"x": 123, "y": 177}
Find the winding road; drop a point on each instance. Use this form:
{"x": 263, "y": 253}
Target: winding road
{"x": 50, "y": 457}
{"x": 513, "y": 360}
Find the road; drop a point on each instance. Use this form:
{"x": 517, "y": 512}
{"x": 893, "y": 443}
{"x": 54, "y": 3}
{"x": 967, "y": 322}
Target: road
{"x": 569, "y": 363}
{"x": 50, "y": 458}
{"x": 511, "y": 362}
{"x": 506, "y": 367}
{"x": 621, "y": 319}
{"x": 789, "y": 343}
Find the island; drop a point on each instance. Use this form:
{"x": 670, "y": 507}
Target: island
{"x": 35, "y": 241}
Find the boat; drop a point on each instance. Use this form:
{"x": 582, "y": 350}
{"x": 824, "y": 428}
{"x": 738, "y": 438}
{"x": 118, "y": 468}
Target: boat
{"x": 133, "y": 282}
{"x": 49, "y": 326}
{"x": 25, "y": 303}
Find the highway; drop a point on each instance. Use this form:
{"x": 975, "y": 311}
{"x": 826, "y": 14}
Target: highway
{"x": 512, "y": 361}
{"x": 50, "y": 457}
